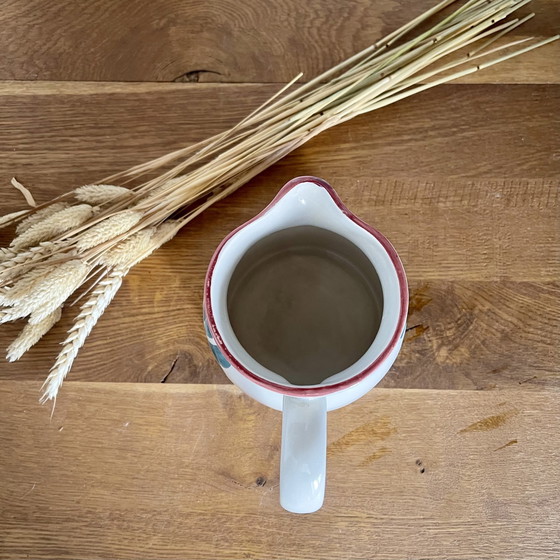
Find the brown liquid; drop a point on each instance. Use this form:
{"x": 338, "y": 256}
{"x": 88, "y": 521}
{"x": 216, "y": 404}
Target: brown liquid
{"x": 306, "y": 303}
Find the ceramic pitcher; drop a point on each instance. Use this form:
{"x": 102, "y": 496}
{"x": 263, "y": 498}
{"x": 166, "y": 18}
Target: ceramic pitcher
{"x": 306, "y": 201}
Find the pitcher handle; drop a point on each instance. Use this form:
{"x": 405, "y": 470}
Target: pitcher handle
{"x": 304, "y": 453}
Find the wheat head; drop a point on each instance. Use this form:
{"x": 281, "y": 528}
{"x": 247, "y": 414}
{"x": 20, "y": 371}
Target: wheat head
{"x": 24, "y": 285}
{"x": 107, "y": 229}
{"x": 54, "y": 289}
{"x": 31, "y": 334}
{"x": 40, "y": 215}
{"x": 90, "y": 312}
{"x": 21, "y": 261}
{"x": 56, "y": 224}
{"x": 13, "y": 216}
{"x": 100, "y": 194}
{"x": 129, "y": 249}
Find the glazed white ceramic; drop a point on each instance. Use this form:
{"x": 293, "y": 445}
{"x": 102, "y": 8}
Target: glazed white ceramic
{"x": 305, "y": 201}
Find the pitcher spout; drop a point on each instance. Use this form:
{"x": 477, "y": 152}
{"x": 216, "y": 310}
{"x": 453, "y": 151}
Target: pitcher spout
{"x": 308, "y": 201}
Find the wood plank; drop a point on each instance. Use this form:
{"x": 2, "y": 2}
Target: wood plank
{"x": 224, "y": 40}
{"x": 53, "y": 141}
{"x": 480, "y": 335}
{"x": 138, "y": 471}
{"x": 481, "y": 258}
{"x": 462, "y": 335}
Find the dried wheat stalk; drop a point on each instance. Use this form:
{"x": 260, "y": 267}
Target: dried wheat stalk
{"x": 92, "y": 236}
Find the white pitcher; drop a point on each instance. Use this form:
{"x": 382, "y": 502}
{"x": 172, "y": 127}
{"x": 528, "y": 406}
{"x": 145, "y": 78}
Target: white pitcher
{"x": 302, "y": 204}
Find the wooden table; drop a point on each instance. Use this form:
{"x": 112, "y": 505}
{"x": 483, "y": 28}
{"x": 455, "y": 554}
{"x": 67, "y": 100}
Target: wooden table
{"x": 150, "y": 452}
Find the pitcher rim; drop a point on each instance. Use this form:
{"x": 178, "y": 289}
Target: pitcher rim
{"x": 317, "y": 390}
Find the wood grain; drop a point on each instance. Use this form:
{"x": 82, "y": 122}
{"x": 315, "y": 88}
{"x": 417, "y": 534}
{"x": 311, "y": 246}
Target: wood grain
{"x": 224, "y": 40}
{"x": 53, "y": 138}
{"x": 144, "y": 471}
{"x": 469, "y": 335}
{"x": 481, "y": 258}
{"x": 465, "y": 181}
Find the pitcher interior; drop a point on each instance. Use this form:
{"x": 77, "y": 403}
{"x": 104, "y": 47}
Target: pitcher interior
{"x": 305, "y": 303}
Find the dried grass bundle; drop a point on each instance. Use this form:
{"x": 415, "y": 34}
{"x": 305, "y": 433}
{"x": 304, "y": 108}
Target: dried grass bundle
{"x": 94, "y": 234}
